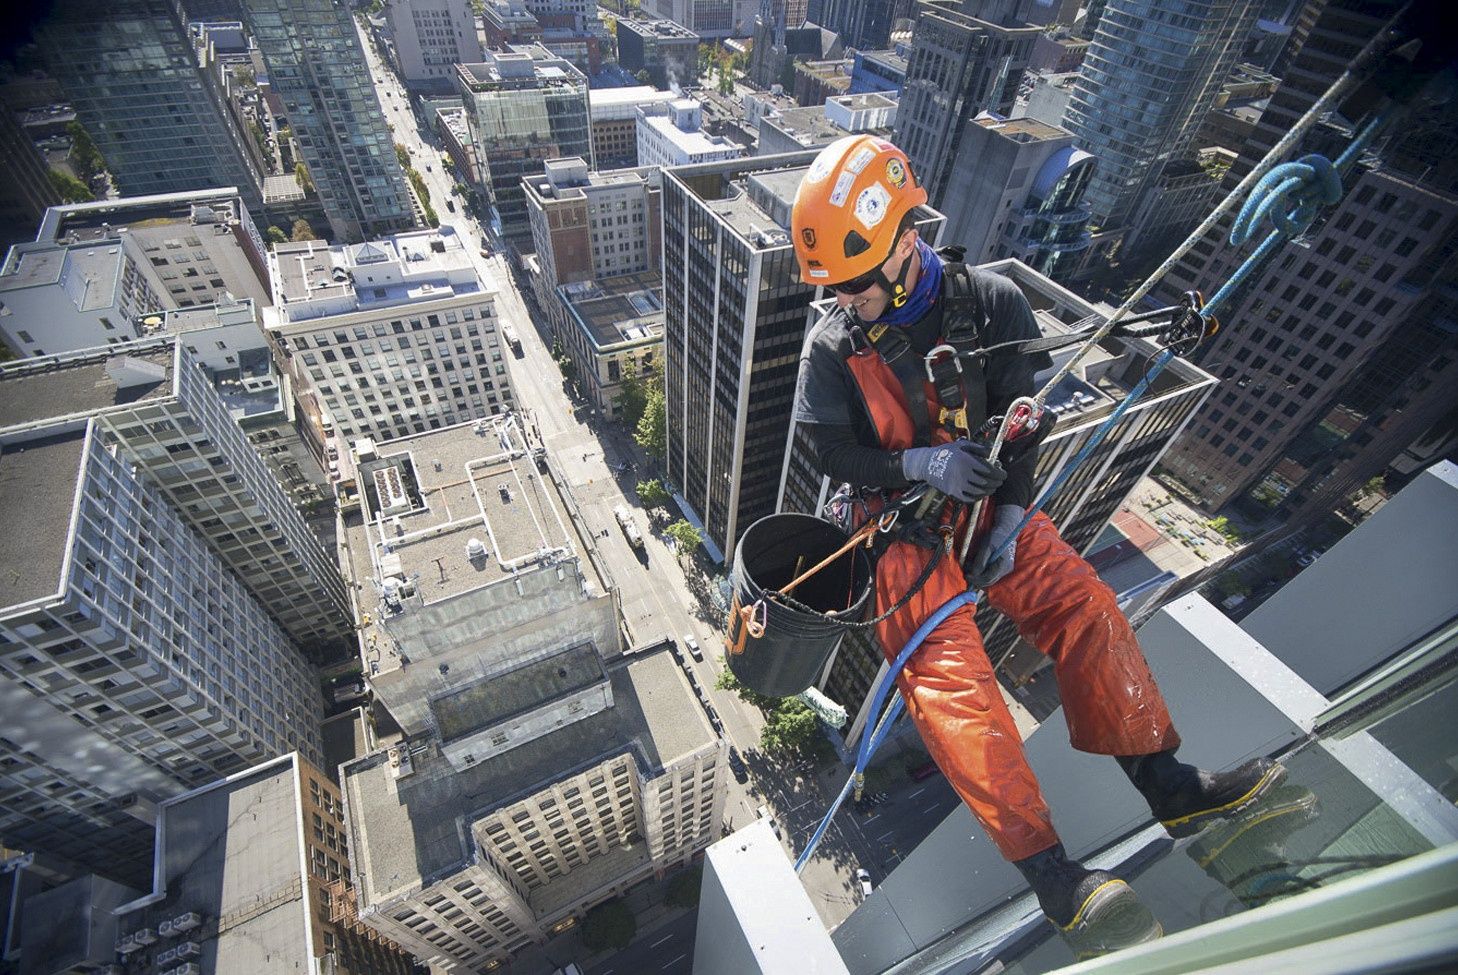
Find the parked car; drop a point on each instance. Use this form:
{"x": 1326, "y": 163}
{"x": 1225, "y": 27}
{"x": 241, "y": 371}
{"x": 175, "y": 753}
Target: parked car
{"x": 693, "y": 646}
{"x": 864, "y": 877}
{"x": 451, "y": 205}
{"x": 737, "y": 766}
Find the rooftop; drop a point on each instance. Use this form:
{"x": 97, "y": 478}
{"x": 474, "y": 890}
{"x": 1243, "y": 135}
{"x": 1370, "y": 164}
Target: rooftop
{"x": 99, "y": 220}
{"x": 312, "y": 279}
{"x": 1023, "y": 129}
{"x": 524, "y": 66}
{"x": 807, "y": 126}
{"x": 537, "y": 682}
{"x": 475, "y": 481}
{"x": 621, "y": 310}
{"x": 37, "y": 493}
{"x": 415, "y": 829}
{"x": 692, "y": 143}
{"x": 231, "y": 851}
{"x": 88, "y": 272}
{"x": 83, "y": 382}
{"x": 662, "y": 29}
{"x": 605, "y": 104}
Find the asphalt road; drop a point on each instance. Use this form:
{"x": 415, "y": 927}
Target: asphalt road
{"x": 657, "y": 602}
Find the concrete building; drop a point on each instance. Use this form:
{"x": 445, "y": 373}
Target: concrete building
{"x": 614, "y": 331}
{"x": 158, "y": 117}
{"x": 541, "y": 770}
{"x": 883, "y": 71}
{"x": 431, "y": 37}
{"x": 1048, "y": 99}
{"x": 1313, "y": 684}
{"x": 777, "y": 47}
{"x": 614, "y": 113}
{"x": 1146, "y": 84}
{"x": 711, "y": 20}
{"x": 817, "y": 81}
{"x": 506, "y": 22}
{"x": 1016, "y": 190}
{"x": 28, "y": 193}
{"x": 1183, "y": 193}
{"x": 228, "y": 342}
{"x": 190, "y": 447}
{"x": 391, "y": 337}
{"x": 865, "y": 25}
{"x": 524, "y": 106}
{"x": 330, "y": 101}
{"x": 1345, "y": 358}
{"x": 261, "y": 892}
{"x": 588, "y": 226}
{"x": 678, "y": 138}
{"x": 668, "y": 51}
{"x": 796, "y": 129}
{"x": 959, "y": 66}
{"x": 736, "y": 319}
{"x": 1058, "y": 52}
{"x": 139, "y": 637}
{"x": 94, "y": 269}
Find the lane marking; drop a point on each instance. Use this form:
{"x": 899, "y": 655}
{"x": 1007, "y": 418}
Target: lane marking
{"x": 872, "y": 818}
{"x": 883, "y": 836}
{"x": 917, "y": 793}
{"x": 674, "y": 962}
{"x": 661, "y": 940}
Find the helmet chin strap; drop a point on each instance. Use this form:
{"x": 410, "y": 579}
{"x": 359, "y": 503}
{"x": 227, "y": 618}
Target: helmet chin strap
{"x": 896, "y": 289}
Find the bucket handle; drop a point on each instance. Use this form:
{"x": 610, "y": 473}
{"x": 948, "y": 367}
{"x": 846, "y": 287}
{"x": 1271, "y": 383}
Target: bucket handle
{"x": 755, "y": 616}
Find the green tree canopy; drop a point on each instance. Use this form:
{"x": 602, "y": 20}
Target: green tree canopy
{"x": 85, "y": 158}
{"x": 685, "y": 536}
{"x": 726, "y": 681}
{"x": 611, "y": 925}
{"x": 643, "y": 77}
{"x": 301, "y": 173}
{"x": 683, "y": 889}
{"x": 402, "y": 154}
{"x": 652, "y": 493}
{"x": 790, "y": 729}
{"x": 69, "y": 188}
{"x": 652, "y": 431}
{"x": 275, "y": 235}
{"x": 302, "y": 230}
{"x": 634, "y": 391}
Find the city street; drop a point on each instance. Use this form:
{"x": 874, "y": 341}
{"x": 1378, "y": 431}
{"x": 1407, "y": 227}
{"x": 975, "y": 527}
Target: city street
{"x": 657, "y": 602}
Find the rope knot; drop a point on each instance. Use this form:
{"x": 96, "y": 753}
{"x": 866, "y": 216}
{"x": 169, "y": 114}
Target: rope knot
{"x": 1291, "y": 195}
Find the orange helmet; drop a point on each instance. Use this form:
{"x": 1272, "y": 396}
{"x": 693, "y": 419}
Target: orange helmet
{"x": 849, "y": 209}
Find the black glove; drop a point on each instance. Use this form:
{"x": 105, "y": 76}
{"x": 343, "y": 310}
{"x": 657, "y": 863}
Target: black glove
{"x": 959, "y": 469}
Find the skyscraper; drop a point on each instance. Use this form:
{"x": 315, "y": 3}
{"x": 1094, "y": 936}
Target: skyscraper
{"x": 1151, "y": 74}
{"x": 524, "y": 106}
{"x": 317, "y": 66}
{"x": 432, "y": 37}
{"x": 958, "y": 66}
{"x": 157, "y": 118}
{"x": 140, "y": 662}
{"x": 1347, "y": 338}
{"x": 736, "y": 319}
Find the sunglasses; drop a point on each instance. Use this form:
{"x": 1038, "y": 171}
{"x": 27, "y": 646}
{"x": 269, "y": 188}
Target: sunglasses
{"x": 855, "y": 285}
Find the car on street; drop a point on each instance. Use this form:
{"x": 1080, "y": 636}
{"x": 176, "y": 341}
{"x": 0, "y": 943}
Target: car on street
{"x": 863, "y": 877}
{"x": 692, "y": 644}
{"x": 737, "y": 766}
{"x": 451, "y": 205}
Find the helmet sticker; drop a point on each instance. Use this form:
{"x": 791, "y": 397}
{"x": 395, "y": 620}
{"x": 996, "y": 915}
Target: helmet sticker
{"x": 895, "y": 173}
{"x": 871, "y": 205}
{"x": 858, "y": 162}
{"x": 842, "y": 189}
{"x": 819, "y": 272}
{"x": 821, "y": 167}
{"x": 807, "y": 234}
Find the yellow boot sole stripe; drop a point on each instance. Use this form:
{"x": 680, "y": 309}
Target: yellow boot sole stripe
{"x": 1078, "y": 918}
{"x": 1180, "y": 821}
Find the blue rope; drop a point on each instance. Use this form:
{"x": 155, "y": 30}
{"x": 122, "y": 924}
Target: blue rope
{"x": 1291, "y": 196}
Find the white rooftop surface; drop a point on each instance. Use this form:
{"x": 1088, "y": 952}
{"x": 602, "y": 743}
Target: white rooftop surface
{"x": 89, "y": 272}
{"x": 622, "y": 103}
{"x": 689, "y": 142}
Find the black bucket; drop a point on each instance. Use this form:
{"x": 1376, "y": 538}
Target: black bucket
{"x": 792, "y": 650}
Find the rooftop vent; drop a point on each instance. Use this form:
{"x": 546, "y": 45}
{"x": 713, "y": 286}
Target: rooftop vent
{"x": 475, "y": 549}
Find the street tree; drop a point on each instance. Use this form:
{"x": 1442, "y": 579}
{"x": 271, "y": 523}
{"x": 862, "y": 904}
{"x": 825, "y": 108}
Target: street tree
{"x": 634, "y": 391}
{"x": 685, "y": 537}
{"x": 69, "y": 188}
{"x": 726, "y": 681}
{"x": 301, "y": 173}
{"x": 302, "y": 230}
{"x": 610, "y": 925}
{"x": 403, "y": 155}
{"x": 85, "y": 158}
{"x": 652, "y": 493}
{"x": 652, "y": 430}
{"x": 791, "y": 728}
{"x": 275, "y": 235}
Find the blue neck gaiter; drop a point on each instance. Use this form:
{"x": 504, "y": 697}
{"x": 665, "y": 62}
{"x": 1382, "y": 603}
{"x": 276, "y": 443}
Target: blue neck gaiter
{"x": 924, "y": 295}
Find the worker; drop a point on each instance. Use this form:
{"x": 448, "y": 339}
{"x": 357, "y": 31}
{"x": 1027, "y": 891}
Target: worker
{"x": 895, "y": 300}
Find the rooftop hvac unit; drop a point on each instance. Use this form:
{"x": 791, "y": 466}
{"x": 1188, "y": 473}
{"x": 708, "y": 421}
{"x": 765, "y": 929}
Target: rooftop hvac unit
{"x": 188, "y": 949}
{"x": 165, "y": 929}
{"x": 127, "y": 945}
{"x": 400, "y": 765}
{"x": 390, "y": 489}
{"x": 191, "y": 968}
{"x": 475, "y": 549}
{"x": 146, "y": 936}
{"x": 390, "y": 591}
{"x": 186, "y": 922}
{"x": 163, "y": 957}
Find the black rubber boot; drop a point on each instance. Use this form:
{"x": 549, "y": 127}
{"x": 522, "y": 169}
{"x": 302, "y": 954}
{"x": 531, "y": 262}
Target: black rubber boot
{"x": 1247, "y": 853}
{"x": 1186, "y": 799}
{"x": 1095, "y": 911}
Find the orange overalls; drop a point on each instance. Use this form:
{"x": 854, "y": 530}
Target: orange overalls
{"x": 1059, "y": 605}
